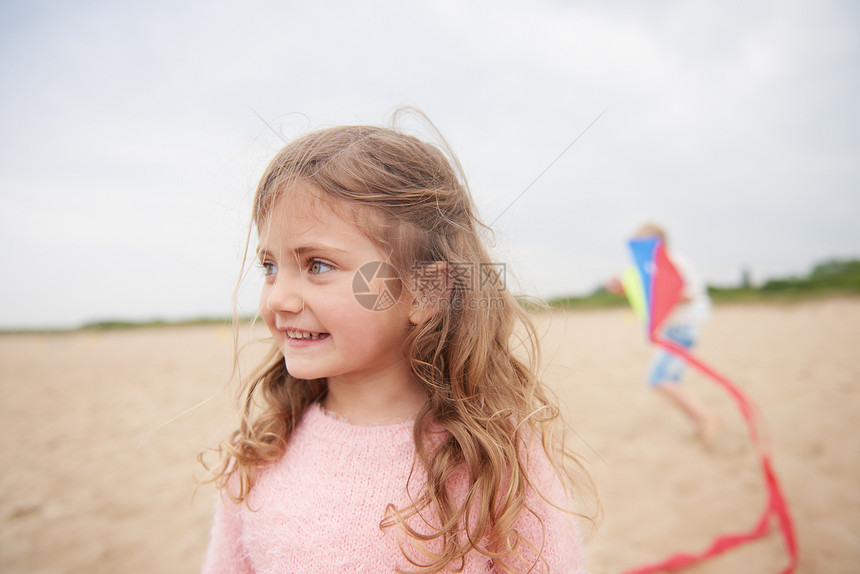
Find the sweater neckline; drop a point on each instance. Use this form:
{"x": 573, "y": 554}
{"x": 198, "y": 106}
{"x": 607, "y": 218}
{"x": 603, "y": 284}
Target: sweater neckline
{"x": 335, "y": 427}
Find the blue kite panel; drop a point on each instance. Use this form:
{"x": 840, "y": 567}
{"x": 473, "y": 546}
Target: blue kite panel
{"x": 644, "y": 250}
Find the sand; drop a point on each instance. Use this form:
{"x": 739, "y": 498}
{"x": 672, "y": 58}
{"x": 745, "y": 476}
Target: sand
{"x": 100, "y": 433}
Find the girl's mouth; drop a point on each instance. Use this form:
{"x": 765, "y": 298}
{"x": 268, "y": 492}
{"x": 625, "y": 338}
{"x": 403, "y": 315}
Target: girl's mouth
{"x": 305, "y": 335}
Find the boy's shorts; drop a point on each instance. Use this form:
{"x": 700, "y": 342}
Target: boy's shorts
{"x": 669, "y": 368}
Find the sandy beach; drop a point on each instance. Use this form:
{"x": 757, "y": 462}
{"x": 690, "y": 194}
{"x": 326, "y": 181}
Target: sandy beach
{"x": 100, "y": 432}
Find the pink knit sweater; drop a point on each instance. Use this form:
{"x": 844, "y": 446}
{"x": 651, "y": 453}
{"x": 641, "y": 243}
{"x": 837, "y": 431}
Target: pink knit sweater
{"x": 318, "y": 509}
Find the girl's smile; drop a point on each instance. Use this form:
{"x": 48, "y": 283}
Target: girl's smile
{"x": 304, "y": 336}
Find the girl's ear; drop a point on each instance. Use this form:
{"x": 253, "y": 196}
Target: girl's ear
{"x": 430, "y": 286}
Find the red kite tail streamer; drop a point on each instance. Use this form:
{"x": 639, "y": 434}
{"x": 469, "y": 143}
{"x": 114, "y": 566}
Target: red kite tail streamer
{"x": 776, "y": 503}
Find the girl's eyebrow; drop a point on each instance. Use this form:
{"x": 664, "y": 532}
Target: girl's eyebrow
{"x": 310, "y": 247}
{"x": 318, "y": 247}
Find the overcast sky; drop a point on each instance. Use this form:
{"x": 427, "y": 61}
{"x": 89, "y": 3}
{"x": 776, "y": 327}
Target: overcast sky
{"x": 132, "y": 135}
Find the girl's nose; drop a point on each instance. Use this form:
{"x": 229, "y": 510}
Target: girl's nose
{"x": 286, "y": 295}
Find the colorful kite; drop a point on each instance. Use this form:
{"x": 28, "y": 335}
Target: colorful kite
{"x": 653, "y": 288}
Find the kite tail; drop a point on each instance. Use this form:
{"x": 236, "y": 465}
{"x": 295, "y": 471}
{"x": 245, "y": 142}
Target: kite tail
{"x": 776, "y": 503}
{"x": 779, "y": 507}
{"x": 723, "y": 543}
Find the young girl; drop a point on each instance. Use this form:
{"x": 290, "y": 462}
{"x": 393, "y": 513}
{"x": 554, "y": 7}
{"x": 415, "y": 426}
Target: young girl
{"x": 393, "y": 427}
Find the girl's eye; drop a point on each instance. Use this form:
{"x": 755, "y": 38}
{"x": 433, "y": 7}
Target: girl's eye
{"x": 318, "y": 266}
{"x": 269, "y": 268}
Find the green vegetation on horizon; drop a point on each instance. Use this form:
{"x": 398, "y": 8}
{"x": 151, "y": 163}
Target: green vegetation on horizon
{"x": 830, "y": 278}
{"x": 117, "y": 324}
{"x": 113, "y": 325}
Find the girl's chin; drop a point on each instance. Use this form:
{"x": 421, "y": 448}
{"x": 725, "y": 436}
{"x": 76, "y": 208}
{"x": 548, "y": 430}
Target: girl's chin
{"x": 302, "y": 373}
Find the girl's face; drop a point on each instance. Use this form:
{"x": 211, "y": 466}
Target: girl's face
{"x": 310, "y": 255}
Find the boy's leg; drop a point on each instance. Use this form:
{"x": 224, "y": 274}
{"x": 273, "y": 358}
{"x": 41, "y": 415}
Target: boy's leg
{"x": 706, "y": 423}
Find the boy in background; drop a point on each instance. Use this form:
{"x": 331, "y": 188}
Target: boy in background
{"x": 681, "y": 327}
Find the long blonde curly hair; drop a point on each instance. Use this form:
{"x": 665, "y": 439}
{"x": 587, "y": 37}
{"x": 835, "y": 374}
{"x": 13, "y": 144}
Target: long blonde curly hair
{"x": 476, "y": 356}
